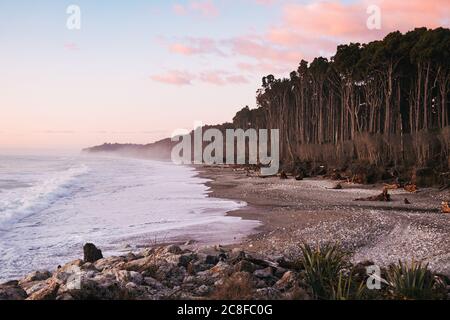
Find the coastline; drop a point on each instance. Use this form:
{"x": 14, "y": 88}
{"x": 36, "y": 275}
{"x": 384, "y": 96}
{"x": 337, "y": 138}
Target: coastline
{"x": 263, "y": 265}
{"x": 293, "y": 212}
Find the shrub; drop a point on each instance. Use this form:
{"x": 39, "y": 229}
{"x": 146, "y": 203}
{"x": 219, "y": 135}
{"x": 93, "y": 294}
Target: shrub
{"x": 237, "y": 287}
{"x": 322, "y": 268}
{"x": 346, "y": 288}
{"x": 413, "y": 281}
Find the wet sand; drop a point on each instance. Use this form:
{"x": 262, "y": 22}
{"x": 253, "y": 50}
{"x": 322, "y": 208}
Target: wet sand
{"x": 293, "y": 212}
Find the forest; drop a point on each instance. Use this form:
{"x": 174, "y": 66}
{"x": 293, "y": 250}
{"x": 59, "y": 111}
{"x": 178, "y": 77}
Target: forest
{"x": 383, "y": 104}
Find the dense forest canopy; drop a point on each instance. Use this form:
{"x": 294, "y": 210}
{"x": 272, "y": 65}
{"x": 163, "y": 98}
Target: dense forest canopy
{"x": 383, "y": 103}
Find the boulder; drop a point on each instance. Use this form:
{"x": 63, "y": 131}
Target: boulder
{"x": 203, "y": 290}
{"x": 245, "y": 266}
{"x": 185, "y": 259}
{"x": 173, "y": 249}
{"x": 36, "y": 276}
{"x": 264, "y": 273}
{"x": 12, "y": 291}
{"x": 288, "y": 281}
{"x": 267, "y": 294}
{"x": 92, "y": 253}
{"x": 210, "y": 259}
{"x": 34, "y": 286}
{"x": 49, "y": 292}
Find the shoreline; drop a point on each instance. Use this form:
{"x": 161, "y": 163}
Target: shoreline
{"x": 293, "y": 212}
{"x": 265, "y": 262}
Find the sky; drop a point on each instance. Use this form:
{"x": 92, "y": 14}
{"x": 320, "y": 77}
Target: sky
{"x": 136, "y": 71}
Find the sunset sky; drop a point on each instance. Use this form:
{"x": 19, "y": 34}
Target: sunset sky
{"x": 137, "y": 70}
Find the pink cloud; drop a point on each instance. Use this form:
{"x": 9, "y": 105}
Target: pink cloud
{"x": 347, "y": 21}
{"x": 215, "y": 77}
{"x": 236, "y": 79}
{"x": 174, "y": 77}
{"x": 261, "y": 50}
{"x": 204, "y": 8}
{"x": 191, "y": 46}
{"x": 179, "y": 9}
{"x": 221, "y": 78}
{"x": 306, "y": 30}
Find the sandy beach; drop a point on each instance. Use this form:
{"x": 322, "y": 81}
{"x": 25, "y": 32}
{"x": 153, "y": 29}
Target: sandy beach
{"x": 293, "y": 212}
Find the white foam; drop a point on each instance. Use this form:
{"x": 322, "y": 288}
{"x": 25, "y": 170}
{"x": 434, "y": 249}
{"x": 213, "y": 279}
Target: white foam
{"x": 18, "y": 205}
{"x": 107, "y": 201}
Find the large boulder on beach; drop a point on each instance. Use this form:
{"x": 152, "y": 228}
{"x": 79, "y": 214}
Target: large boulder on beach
{"x": 92, "y": 253}
{"x": 36, "y": 276}
{"x": 48, "y": 292}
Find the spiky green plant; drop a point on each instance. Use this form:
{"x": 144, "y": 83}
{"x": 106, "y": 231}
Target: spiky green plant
{"x": 413, "y": 281}
{"x": 322, "y": 268}
{"x": 346, "y": 288}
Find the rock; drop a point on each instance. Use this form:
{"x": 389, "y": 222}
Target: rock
{"x": 69, "y": 271}
{"x": 288, "y": 281}
{"x": 153, "y": 283}
{"x": 65, "y": 297}
{"x": 236, "y": 255}
{"x": 264, "y": 273}
{"x": 267, "y": 294}
{"x": 173, "y": 249}
{"x": 212, "y": 259}
{"x": 245, "y": 266}
{"x": 76, "y": 264}
{"x": 203, "y": 291}
{"x": 221, "y": 268}
{"x": 296, "y": 293}
{"x": 103, "y": 287}
{"x": 49, "y": 292}
{"x": 32, "y": 287}
{"x": 12, "y": 291}
{"x": 124, "y": 277}
{"x": 91, "y": 253}
{"x": 36, "y": 276}
{"x": 185, "y": 259}
{"x": 279, "y": 272}
{"x": 147, "y": 252}
{"x": 190, "y": 243}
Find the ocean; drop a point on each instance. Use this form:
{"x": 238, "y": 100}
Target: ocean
{"x": 51, "y": 205}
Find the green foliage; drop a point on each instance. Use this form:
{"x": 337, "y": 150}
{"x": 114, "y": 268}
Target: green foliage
{"x": 346, "y": 288}
{"x": 324, "y": 269}
{"x": 413, "y": 281}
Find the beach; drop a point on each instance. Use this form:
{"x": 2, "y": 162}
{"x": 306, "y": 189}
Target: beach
{"x": 255, "y": 256}
{"x": 293, "y": 212}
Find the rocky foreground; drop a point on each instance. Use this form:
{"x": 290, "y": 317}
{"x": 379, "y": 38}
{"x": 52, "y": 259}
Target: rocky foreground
{"x": 174, "y": 273}
{"x": 162, "y": 273}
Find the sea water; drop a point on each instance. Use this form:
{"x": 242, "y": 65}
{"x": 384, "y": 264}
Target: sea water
{"x": 51, "y": 205}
